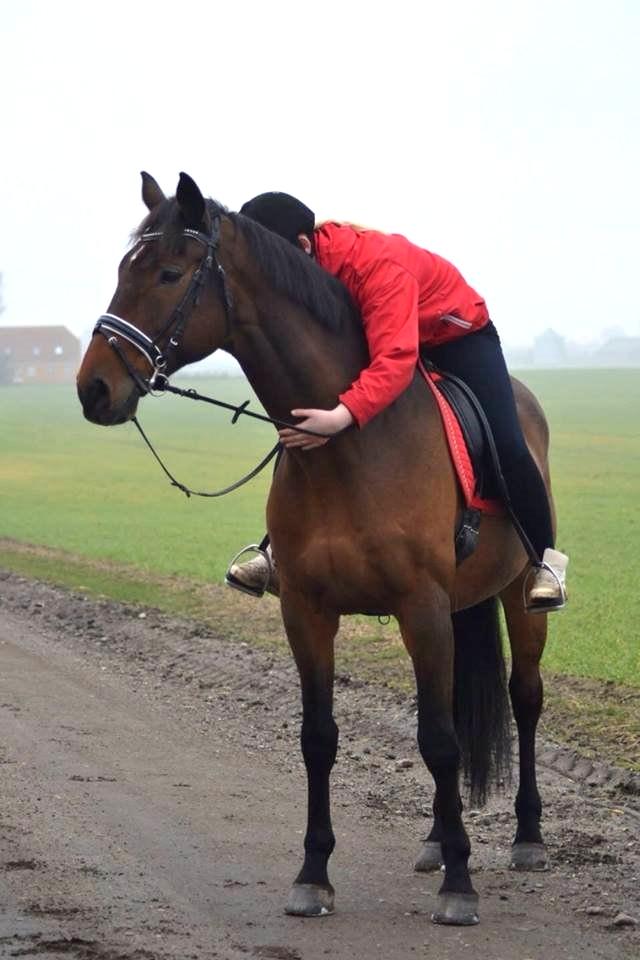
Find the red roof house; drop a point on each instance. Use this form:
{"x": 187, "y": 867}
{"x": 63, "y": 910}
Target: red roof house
{"x": 38, "y": 355}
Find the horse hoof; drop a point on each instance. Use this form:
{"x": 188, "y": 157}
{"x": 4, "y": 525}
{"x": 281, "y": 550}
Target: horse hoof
{"x": 456, "y": 909}
{"x": 310, "y": 900}
{"x": 529, "y": 856}
{"x": 430, "y": 858}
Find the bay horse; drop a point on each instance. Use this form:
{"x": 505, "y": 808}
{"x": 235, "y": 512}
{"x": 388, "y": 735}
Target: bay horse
{"x": 364, "y": 524}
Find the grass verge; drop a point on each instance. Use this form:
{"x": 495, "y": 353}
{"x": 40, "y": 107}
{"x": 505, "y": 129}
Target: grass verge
{"x": 600, "y": 719}
{"x": 69, "y": 485}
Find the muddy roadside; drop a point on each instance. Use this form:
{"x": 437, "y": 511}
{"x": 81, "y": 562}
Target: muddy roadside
{"x": 153, "y": 806}
{"x": 595, "y": 717}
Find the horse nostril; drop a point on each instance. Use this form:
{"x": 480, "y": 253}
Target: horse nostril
{"x": 94, "y": 396}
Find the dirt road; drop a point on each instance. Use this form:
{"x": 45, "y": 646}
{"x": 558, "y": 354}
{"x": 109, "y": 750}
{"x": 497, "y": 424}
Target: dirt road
{"x": 153, "y": 802}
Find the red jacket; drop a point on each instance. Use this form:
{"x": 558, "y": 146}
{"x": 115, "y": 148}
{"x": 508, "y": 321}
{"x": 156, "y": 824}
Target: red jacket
{"x": 406, "y": 296}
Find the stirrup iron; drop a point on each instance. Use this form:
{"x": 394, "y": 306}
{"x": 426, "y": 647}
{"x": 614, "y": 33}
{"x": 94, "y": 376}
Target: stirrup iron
{"x": 544, "y": 607}
{"x": 235, "y": 584}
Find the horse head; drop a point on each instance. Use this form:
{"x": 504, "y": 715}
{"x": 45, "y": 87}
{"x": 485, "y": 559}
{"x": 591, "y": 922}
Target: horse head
{"x": 171, "y": 305}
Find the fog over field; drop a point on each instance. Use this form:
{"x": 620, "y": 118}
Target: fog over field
{"x": 504, "y": 136}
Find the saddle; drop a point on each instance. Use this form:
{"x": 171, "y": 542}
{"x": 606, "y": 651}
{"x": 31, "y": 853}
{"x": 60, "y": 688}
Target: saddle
{"x": 473, "y": 454}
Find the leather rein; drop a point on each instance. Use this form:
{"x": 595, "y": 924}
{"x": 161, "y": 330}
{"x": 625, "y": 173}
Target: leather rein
{"x": 114, "y": 329}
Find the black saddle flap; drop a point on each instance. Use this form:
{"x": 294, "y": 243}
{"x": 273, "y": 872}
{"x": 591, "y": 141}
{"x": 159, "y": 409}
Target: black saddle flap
{"x": 474, "y": 435}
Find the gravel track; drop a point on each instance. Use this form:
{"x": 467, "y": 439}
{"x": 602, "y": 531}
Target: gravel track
{"x": 153, "y": 803}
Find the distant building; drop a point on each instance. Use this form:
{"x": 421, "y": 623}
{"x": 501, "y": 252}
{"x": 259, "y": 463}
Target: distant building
{"x": 551, "y": 350}
{"x": 38, "y": 355}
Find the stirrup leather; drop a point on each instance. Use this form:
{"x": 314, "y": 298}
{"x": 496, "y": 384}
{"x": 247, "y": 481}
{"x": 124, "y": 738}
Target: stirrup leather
{"x": 236, "y": 584}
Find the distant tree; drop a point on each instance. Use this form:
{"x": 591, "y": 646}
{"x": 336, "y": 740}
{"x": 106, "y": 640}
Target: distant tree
{"x": 549, "y": 349}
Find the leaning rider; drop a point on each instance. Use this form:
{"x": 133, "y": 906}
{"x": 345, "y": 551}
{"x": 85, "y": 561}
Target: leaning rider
{"x": 412, "y": 300}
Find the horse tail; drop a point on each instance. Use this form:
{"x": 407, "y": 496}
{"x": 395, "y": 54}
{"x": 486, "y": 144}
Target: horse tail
{"x": 480, "y": 699}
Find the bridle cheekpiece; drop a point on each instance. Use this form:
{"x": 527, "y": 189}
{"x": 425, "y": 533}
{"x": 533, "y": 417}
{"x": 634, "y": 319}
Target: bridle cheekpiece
{"x": 115, "y": 328}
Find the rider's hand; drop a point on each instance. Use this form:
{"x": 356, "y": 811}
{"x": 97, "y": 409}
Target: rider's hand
{"x": 327, "y": 422}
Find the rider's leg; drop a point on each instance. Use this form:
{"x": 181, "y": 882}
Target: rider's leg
{"x": 259, "y": 575}
{"x": 477, "y": 359}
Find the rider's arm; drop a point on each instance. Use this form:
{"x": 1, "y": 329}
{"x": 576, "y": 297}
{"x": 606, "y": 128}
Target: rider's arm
{"x": 388, "y": 301}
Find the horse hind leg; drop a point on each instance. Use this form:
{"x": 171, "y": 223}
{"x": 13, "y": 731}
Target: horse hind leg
{"x": 430, "y": 858}
{"x": 481, "y": 712}
{"x": 427, "y": 633}
{"x": 311, "y": 637}
{"x": 527, "y": 636}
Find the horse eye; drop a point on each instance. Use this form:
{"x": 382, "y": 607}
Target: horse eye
{"x": 170, "y": 276}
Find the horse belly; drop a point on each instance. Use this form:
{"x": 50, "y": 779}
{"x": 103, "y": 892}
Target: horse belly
{"x": 360, "y": 573}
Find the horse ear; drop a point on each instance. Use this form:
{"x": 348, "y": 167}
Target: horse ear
{"x": 190, "y": 201}
{"x": 152, "y": 195}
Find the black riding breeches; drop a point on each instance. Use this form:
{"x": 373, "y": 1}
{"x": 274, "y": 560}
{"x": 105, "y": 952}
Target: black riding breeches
{"x": 477, "y": 360}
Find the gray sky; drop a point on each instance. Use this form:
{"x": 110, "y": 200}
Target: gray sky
{"x": 504, "y": 135}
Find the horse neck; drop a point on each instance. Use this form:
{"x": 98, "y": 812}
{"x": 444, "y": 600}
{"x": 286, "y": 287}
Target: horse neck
{"x": 290, "y": 358}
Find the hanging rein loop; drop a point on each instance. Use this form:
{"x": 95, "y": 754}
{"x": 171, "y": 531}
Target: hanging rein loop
{"x": 215, "y": 493}
{"x": 114, "y": 329}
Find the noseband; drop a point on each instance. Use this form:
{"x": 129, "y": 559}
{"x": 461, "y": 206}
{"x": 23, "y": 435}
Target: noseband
{"x": 114, "y": 328}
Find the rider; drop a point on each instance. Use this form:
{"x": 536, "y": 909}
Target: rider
{"x": 411, "y": 300}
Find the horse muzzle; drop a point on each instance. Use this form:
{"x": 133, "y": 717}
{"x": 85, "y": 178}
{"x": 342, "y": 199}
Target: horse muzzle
{"x": 98, "y": 404}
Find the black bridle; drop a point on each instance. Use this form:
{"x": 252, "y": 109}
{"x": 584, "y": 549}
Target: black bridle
{"x": 113, "y": 327}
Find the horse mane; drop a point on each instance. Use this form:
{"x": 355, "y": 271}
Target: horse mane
{"x": 290, "y": 271}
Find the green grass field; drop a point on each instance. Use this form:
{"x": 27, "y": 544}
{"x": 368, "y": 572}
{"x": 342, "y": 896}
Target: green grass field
{"x": 97, "y": 493}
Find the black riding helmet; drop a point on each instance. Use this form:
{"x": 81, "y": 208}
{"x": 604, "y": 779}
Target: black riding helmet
{"x": 282, "y": 214}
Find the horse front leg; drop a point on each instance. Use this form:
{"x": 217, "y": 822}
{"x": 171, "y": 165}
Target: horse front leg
{"x": 311, "y": 635}
{"x": 428, "y": 635}
{"x": 527, "y": 636}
